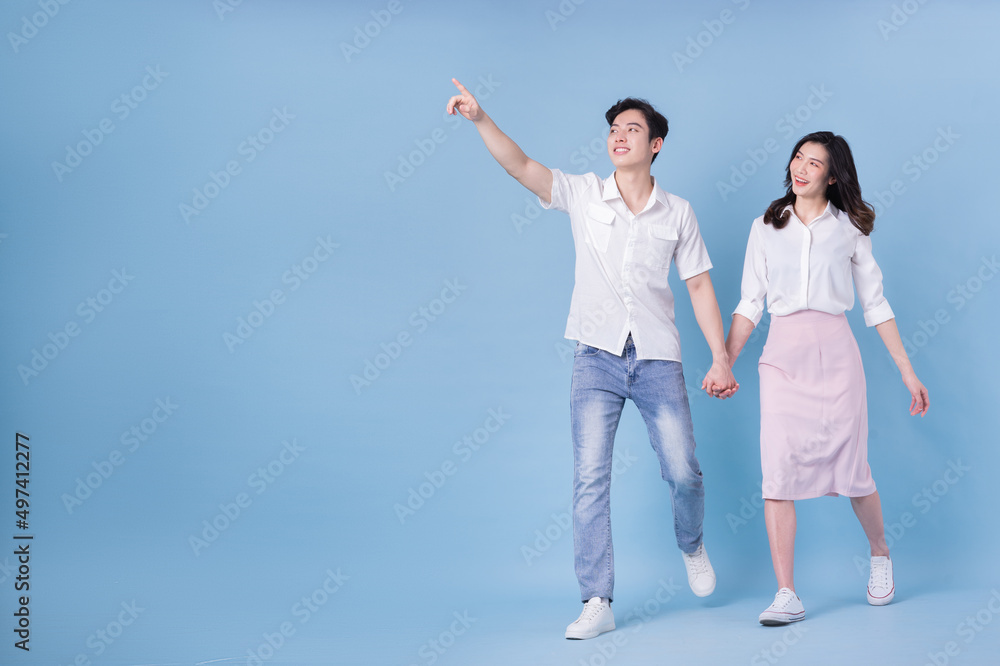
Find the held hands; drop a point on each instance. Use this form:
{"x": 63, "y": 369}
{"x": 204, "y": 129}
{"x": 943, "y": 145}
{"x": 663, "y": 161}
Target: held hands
{"x": 921, "y": 401}
{"x": 465, "y": 103}
{"x": 719, "y": 381}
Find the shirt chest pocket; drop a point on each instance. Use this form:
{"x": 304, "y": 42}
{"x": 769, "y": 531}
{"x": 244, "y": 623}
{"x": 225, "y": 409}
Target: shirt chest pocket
{"x": 662, "y": 243}
{"x": 599, "y": 224}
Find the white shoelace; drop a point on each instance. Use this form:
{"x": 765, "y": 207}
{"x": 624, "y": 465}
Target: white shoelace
{"x": 697, "y": 562}
{"x": 783, "y": 598}
{"x": 591, "y": 610}
{"x": 880, "y": 575}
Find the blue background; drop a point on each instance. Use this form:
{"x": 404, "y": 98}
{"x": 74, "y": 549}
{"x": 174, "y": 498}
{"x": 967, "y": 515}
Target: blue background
{"x": 355, "y": 151}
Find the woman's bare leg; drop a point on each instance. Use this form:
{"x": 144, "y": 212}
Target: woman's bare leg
{"x": 779, "y": 516}
{"x": 868, "y": 509}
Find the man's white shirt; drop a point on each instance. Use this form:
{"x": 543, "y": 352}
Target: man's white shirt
{"x": 622, "y": 261}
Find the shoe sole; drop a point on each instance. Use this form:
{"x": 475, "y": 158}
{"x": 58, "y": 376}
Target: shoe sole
{"x": 882, "y": 601}
{"x": 702, "y": 594}
{"x": 594, "y": 634}
{"x": 780, "y": 622}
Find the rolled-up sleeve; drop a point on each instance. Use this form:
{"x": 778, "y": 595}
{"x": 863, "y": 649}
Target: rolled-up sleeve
{"x": 561, "y": 192}
{"x": 753, "y": 289}
{"x": 868, "y": 282}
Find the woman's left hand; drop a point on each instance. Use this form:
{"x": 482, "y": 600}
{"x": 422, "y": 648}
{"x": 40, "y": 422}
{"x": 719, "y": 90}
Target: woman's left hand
{"x": 921, "y": 402}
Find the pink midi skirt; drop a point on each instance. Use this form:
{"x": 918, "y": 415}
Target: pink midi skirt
{"x": 813, "y": 409}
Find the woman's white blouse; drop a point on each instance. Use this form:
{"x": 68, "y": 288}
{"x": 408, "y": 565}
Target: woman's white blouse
{"x": 810, "y": 267}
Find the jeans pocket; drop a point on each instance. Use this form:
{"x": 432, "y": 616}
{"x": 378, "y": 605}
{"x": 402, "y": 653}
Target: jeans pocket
{"x": 585, "y": 350}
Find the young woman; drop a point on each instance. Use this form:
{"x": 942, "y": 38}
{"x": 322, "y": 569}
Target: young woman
{"x": 805, "y": 256}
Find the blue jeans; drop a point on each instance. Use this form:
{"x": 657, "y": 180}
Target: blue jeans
{"x": 601, "y": 383}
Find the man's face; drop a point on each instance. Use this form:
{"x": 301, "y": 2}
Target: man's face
{"x": 628, "y": 140}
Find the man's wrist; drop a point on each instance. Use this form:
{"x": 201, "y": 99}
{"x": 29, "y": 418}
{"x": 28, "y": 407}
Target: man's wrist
{"x": 721, "y": 357}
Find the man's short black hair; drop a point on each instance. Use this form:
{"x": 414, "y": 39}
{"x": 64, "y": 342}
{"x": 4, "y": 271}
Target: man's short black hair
{"x": 658, "y": 126}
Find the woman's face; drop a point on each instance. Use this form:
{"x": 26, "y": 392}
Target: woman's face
{"x": 810, "y": 171}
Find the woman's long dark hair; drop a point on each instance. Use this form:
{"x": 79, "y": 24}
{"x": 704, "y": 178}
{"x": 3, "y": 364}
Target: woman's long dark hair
{"x": 844, "y": 193}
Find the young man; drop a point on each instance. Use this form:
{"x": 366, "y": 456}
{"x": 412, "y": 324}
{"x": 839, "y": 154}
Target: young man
{"x": 627, "y": 230}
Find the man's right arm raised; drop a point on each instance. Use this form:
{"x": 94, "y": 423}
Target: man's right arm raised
{"x": 533, "y": 175}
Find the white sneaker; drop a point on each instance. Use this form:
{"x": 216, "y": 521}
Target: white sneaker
{"x": 881, "y": 588}
{"x": 701, "y": 576}
{"x": 786, "y": 608}
{"x": 595, "y": 619}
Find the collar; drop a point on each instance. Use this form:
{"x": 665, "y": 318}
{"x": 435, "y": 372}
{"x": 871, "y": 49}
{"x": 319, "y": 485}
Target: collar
{"x": 611, "y": 192}
{"x": 831, "y": 210}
